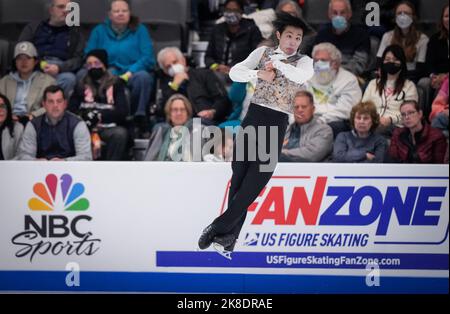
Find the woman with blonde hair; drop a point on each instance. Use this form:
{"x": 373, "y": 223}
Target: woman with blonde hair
{"x": 169, "y": 137}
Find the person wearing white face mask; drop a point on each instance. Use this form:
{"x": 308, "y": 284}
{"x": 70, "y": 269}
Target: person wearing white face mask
{"x": 406, "y": 35}
{"x": 201, "y": 86}
{"x": 335, "y": 89}
{"x": 352, "y": 40}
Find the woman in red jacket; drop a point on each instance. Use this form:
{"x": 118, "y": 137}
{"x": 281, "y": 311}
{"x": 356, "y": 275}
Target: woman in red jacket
{"x": 417, "y": 142}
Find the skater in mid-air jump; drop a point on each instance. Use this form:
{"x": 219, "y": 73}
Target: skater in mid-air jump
{"x": 280, "y": 72}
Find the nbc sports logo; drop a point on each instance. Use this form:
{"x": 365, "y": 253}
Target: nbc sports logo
{"x": 46, "y": 195}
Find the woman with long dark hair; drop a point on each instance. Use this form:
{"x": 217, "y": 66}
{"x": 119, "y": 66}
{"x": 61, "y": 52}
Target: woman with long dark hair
{"x": 10, "y": 131}
{"x": 406, "y": 35}
{"x": 391, "y": 89}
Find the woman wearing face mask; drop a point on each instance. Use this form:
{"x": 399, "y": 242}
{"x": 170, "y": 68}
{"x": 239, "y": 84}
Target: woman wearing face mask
{"x": 231, "y": 41}
{"x": 406, "y": 35}
{"x": 281, "y": 72}
{"x": 391, "y": 89}
{"x": 361, "y": 144}
{"x": 10, "y": 131}
{"x": 100, "y": 99}
{"x": 417, "y": 142}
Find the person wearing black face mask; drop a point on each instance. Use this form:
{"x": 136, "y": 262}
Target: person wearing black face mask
{"x": 392, "y": 68}
{"x": 100, "y": 99}
{"x": 231, "y": 41}
{"x": 391, "y": 89}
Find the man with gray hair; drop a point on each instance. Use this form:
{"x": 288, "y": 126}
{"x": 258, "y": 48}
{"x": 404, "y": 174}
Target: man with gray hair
{"x": 60, "y": 47}
{"x": 201, "y": 86}
{"x": 307, "y": 140}
{"x": 335, "y": 89}
{"x": 352, "y": 40}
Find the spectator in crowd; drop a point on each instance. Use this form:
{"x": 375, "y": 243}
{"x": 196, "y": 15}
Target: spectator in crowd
{"x": 201, "y": 86}
{"x": 169, "y": 140}
{"x": 57, "y": 135}
{"x": 409, "y": 38}
{"x": 10, "y": 131}
{"x": 386, "y": 14}
{"x": 223, "y": 148}
{"x": 335, "y": 89}
{"x": 417, "y": 142}
{"x": 60, "y": 47}
{"x": 231, "y": 41}
{"x": 391, "y": 89}
{"x": 439, "y": 112}
{"x": 352, "y": 40}
{"x": 130, "y": 52}
{"x": 4, "y": 50}
{"x": 25, "y": 85}
{"x": 307, "y": 140}
{"x": 437, "y": 62}
{"x": 362, "y": 144}
{"x": 286, "y": 6}
{"x": 101, "y": 101}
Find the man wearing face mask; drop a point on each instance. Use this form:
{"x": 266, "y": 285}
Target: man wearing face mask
{"x": 201, "y": 86}
{"x": 231, "y": 41}
{"x": 335, "y": 89}
{"x": 352, "y": 40}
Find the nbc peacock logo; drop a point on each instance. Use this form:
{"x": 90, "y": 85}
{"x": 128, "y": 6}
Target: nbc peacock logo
{"x": 46, "y": 194}
{"x": 50, "y": 232}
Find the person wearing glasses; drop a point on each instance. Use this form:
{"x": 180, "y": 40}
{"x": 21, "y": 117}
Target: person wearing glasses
{"x": 169, "y": 139}
{"x": 60, "y": 47}
{"x": 417, "y": 142}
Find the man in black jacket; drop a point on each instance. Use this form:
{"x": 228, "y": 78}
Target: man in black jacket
{"x": 233, "y": 40}
{"x": 201, "y": 86}
{"x": 59, "y": 46}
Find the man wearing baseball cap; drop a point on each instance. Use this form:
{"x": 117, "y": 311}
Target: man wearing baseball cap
{"x": 25, "y": 85}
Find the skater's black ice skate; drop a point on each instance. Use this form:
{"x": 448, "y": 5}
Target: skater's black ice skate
{"x": 224, "y": 244}
{"x": 207, "y": 237}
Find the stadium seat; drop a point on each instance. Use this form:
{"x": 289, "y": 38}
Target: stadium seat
{"x": 166, "y": 20}
{"x": 315, "y": 12}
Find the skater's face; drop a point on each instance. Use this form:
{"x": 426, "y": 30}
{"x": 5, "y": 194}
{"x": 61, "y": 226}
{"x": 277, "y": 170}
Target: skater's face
{"x": 290, "y": 39}
{"x": 178, "y": 113}
{"x": 303, "y": 110}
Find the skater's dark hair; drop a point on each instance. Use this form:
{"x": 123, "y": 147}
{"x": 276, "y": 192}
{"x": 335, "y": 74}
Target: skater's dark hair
{"x": 285, "y": 19}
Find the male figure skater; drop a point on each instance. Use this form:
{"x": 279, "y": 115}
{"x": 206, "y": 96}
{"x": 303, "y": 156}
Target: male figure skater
{"x": 281, "y": 72}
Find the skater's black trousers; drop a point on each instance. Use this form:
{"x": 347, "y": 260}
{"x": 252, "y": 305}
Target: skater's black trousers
{"x": 248, "y": 180}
